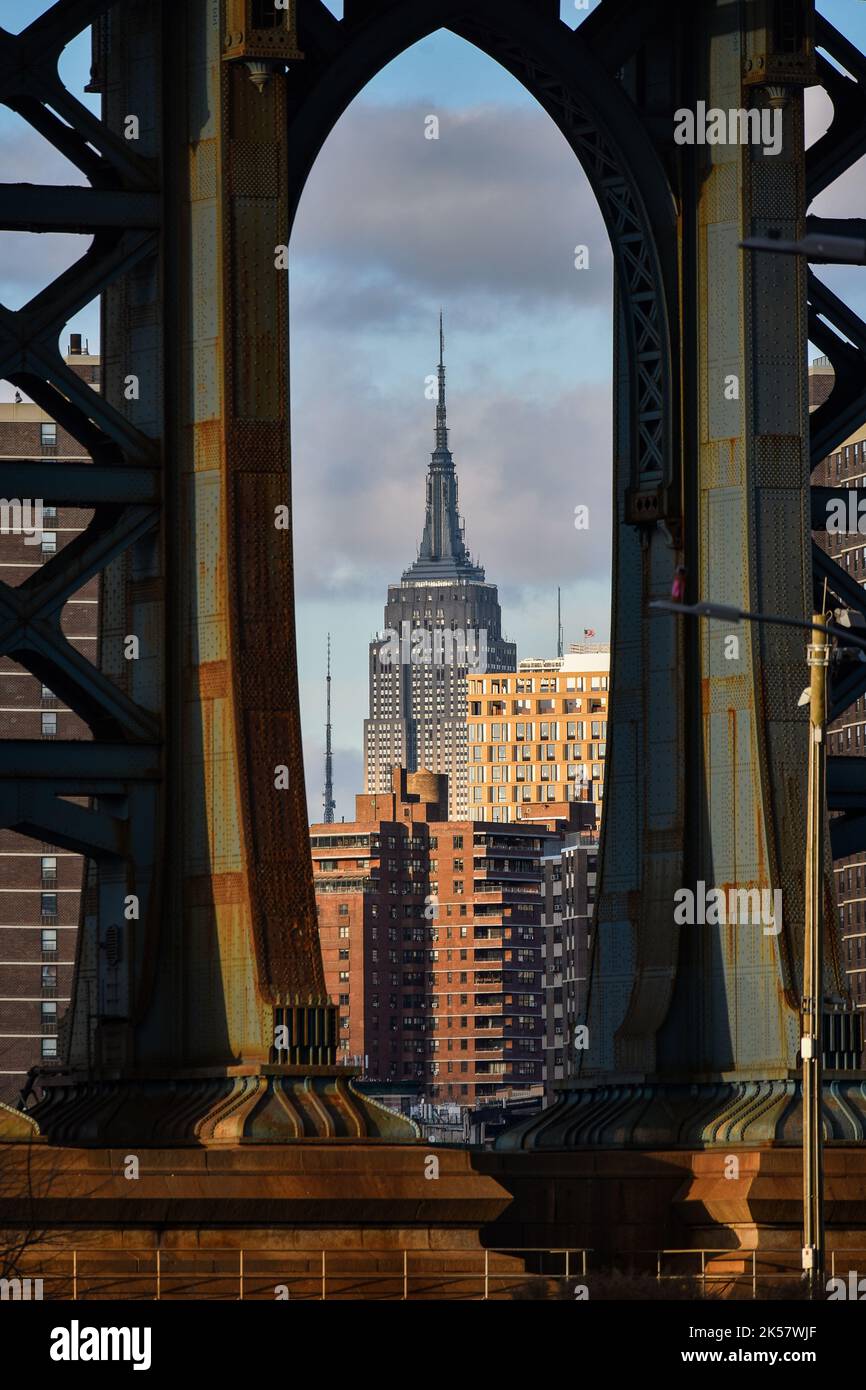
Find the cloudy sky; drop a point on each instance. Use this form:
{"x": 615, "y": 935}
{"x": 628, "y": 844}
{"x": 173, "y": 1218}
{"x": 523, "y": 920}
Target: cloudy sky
{"x": 483, "y": 223}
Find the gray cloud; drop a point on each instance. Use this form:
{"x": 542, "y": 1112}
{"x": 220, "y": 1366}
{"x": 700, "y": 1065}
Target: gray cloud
{"x": 523, "y": 466}
{"x": 494, "y": 207}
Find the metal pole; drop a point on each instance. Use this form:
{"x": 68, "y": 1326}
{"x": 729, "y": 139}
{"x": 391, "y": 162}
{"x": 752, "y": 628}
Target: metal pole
{"x": 75, "y": 1274}
{"x": 405, "y": 1274}
{"x": 158, "y": 1276}
{"x": 818, "y": 653}
{"x": 241, "y": 1276}
{"x": 323, "y": 1275}
{"x": 486, "y": 1272}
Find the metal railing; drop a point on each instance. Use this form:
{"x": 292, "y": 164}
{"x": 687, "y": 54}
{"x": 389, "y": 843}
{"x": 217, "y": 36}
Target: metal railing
{"x": 227, "y": 1273}
{"x": 239, "y": 1274}
{"x": 753, "y": 1276}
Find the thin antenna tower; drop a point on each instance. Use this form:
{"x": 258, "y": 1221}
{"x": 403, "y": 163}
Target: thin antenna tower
{"x": 558, "y": 621}
{"x": 329, "y": 802}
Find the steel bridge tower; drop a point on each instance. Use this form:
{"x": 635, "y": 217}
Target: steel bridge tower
{"x": 195, "y": 820}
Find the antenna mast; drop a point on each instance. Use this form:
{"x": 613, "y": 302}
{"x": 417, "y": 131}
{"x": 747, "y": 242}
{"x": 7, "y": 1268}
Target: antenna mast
{"x": 329, "y": 802}
{"x": 558, "y": 621}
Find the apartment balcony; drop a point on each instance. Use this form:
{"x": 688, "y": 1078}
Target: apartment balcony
{"x": 496, "y": 873}
{"x": 345, "y": 883}
{"x": 507, "y": 892}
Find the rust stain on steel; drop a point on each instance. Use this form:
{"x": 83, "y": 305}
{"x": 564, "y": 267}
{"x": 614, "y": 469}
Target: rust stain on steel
{"x": 213, "y": 680}
{"x": 264, "y": 723}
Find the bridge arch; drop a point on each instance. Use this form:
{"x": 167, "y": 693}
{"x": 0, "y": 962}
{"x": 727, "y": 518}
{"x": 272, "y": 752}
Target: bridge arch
{"x": 594, "y": 115}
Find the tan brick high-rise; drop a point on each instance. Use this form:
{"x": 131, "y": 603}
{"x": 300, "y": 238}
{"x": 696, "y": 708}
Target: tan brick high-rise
{"x": 538, "y": 736}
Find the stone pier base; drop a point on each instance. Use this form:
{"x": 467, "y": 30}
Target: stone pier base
{"x": 355, "y": 1220}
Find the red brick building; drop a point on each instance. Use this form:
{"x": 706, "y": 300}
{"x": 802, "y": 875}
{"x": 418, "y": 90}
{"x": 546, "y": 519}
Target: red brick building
{"x": 432, "y": 941}
{"x": 40, "y": 885}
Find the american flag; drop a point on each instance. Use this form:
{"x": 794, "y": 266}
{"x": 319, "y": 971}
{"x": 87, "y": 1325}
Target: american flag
{"x": 589, "y": 632}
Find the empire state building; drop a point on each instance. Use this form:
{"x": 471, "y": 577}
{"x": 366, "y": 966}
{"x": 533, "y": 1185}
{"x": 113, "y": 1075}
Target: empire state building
{"x": 441, "y": 621}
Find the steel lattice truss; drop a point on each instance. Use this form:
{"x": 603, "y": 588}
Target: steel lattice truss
{"x": 120, "y": 209}
{"x": 841, "y": 335}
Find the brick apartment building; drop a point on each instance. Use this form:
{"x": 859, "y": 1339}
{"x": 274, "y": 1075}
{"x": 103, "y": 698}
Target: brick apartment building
{"x": 40, "y": 884}
{"x": 432, "y": 941}
{"x": 538, "y": 736}
{"x": 846, "y": 467}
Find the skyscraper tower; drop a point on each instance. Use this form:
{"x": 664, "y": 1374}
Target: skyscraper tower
{"x": 441, "y": 621}
{"x": 328, "y": 799}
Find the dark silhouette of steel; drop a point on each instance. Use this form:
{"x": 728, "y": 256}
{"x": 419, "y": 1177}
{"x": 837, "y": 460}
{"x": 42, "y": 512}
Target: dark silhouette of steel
{"x": 185, "y": 814}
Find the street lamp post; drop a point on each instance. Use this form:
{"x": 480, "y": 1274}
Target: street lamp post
{"x": 818, "y": 653}
{"x": 817, "y": 656}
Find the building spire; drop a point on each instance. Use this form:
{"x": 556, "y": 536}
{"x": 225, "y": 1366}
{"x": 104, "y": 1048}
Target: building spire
{"x": 441, "y": 427}
{"x": 442, "y": 553}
